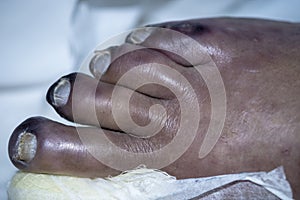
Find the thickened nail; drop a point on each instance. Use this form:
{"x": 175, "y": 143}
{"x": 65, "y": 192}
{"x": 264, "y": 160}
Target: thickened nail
{"x": 100, "y": 62}
{"x": 139, "y": 35}
{"x": 59, "y": 92}
{"x": 25, "y": 147}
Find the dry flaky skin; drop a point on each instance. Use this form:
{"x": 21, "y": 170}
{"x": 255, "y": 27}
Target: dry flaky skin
{"x": 260, "y": 65}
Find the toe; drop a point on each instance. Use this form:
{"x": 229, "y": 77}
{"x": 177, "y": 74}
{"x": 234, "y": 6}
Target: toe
{"x": 176, "y": 40}
{"x": 90, "y": 102}
{"x": 137, "y": 65}
{"x": 40, "y": 145}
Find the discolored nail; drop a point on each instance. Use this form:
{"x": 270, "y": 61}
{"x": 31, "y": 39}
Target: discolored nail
{"x": 25, "y": 148}
{"x": 59, "y": 92}
{"x": 100, "y": 62}
{"x": 139, "y": 35}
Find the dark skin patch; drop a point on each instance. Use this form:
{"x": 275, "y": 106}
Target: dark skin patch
{"x": 186, "y": 27}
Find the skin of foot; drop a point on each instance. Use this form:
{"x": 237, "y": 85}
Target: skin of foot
{"x": 259, "y": 62}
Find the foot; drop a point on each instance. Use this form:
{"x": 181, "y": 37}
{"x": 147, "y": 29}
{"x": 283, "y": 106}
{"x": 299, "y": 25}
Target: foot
{"x": 181, "y": 62}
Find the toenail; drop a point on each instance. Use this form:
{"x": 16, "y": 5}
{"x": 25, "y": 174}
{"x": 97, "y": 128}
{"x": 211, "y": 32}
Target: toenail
{"x": 61, "y": 92}
{"x": 100, "y": 62}
{"x": 139, "y": 35}
{"x": 26, "y": 147}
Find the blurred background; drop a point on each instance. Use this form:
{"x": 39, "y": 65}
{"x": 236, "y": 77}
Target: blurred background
{"x": 43, "y": 40}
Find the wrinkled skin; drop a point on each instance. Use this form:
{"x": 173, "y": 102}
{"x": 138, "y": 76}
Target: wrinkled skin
{"x": 259, "y": 62}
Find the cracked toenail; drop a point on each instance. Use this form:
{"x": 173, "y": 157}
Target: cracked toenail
{"x": 61, "y": 92}
{"x": 100, "y": 62}
{"x": 139, "y": 35}
{"x": 26, "y": 147}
